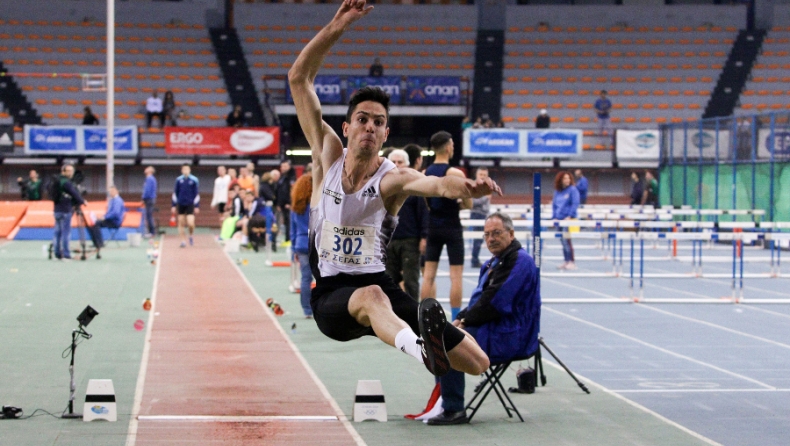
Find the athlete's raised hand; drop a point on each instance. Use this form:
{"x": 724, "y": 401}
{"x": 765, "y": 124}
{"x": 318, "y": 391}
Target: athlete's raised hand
{"x": 351, "y": 11}
{"x": 483, "y": 187}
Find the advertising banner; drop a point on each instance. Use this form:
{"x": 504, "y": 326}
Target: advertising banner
{"x": 554, "y": 143}
{"x": 424, "y": 90}
{"x": 637, "y": 145}
{"x": 6, "y": 138}
{"x": 95, "y": 140}
{"x": 390, "y": 84}
{"x": 222, "y": 141}
{"x": 517, "y": 143}
{"x": 699, "y": 142}
{"x": 781, "y": 143}
{"x": 326, "y": 87}
{"x": 51, "y": 140}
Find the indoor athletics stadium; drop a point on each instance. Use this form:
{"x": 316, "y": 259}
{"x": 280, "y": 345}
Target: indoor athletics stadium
{"x": 394, "y": 222}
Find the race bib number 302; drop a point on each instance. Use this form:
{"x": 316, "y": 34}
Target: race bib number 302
{"x": 347, "y": 245}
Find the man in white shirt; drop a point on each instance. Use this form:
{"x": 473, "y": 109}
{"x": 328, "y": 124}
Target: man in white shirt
{"x": 153, "y": 107}
{"x": 221, "y": 184}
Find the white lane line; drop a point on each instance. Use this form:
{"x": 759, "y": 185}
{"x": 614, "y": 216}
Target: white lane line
{"x": 236, "y": 419}
{"x": 775, "y": 313}
{"x": 637, "y": 406}
{"x": 661, "y": 349}
{"x": 717, "y": 326}
{"x": 698, "y": 390}
{"x": 131, "y": 435}
{"x": 340, "y": 415}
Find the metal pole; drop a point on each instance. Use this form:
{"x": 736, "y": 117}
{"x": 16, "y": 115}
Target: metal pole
{"x": 110, "y": 93}
{"x": 685, "y": 162}
{"x": 754, "y": 162}
{"x": 671, "y": 131}
{"x": 734, "y": 154}
{"x": 771, "y": 143}
{"x": 536, "y": 245}
{"x": 716, "y": 188}
{"x": 699, "y": 171}
{"x": 641, "y": 268}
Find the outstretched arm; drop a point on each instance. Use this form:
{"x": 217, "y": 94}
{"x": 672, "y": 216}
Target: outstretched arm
{"x": 302, "y": 75}
{"x": 412, "y": 182}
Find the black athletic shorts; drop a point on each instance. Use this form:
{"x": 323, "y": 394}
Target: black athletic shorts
{"x": 188, "y": 209}
{"x": 329, "y": 302}
{"x": 452, "y": 238}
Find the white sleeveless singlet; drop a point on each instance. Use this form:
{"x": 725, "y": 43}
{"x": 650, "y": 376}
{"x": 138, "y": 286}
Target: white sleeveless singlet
{"x": 350, "y": 232}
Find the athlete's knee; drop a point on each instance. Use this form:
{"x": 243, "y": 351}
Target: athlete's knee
{"x": 373, "y": 296}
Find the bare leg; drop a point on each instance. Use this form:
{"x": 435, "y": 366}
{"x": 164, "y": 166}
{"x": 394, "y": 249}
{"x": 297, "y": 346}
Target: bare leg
{"x": 371, "y": 308}
{"x": 191, "y": 224}
{"x": 429, "y": 280}
{"x": 456, "y": 285}
{"x": 468, "y": 357}
{"x": 181, "y": 223}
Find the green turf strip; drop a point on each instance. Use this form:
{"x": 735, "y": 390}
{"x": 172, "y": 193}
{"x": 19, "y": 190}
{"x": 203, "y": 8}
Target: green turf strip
{"x": 39, "y": 302}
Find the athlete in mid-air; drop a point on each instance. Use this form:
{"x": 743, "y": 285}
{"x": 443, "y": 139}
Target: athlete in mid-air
{"x": 353, "y": 213}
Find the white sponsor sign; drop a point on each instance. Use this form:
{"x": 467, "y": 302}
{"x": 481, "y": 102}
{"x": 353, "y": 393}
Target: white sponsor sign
{"x": 699, "y": 142}
{"x": 637, "y": 145}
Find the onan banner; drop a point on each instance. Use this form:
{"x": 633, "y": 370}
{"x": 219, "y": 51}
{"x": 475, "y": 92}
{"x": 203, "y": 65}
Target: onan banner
{"x": 78, "y": 140}
{"x": 124, "y": 141}
{"x": 554, "y": 143}
{"x": 390, "y": 84}
{"x": 326, "y": 87}
{"x": 637, "y": 145}
{"x": 222, "y": 141}
{"x": 520, "y": 143}
{"x": 781, "y": 143}
{"x": 424, "y": 90}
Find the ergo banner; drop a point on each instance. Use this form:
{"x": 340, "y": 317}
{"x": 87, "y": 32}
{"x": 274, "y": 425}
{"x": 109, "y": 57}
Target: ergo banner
{"x": 222, "y": 141}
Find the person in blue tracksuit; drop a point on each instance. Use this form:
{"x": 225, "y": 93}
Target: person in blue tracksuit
{"x": 149, "y": 199}
{"x": 116, "y": 210}
{"x": 564, "y": 206}
{"x": 503, "y": 314}
{"x": 186, "y": 203}
{"x": 300, "y": 243}
{"x": 582, "y": 185}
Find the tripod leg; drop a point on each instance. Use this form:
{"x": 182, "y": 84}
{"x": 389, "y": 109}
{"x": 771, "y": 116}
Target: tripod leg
{"x": 583, "y": 387}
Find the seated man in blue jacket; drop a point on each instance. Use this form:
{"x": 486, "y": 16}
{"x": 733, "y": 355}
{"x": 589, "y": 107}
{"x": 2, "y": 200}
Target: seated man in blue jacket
{"x": 115, "y": 211}
{"x": 503, "y": 314}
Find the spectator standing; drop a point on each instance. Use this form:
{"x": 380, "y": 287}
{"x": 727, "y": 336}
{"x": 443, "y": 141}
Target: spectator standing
{"x": 274, "y": 180}
{"x": 32, "y": 187}
{"x": 65, "y": 197}
{"x": 410, "y": 236}
{"x": 245, "y": 180}
{"x": 650, "y": 196}
{"x": 116, "y": 210}
{"x": 236, "y": 117}
{"x": 376, "y": 69}
{"x": 234, "y": 178}
{"x": 149, "y": 199}
{"x": 637, "y": 189}
{"x": 169, "y": 109}
{"x": 287, "y": 179}
{"x": 88, "y": 118}
{"x": 236, "y": 196}
{"x": 480, "y": 209}
{"x": 543, "y": 121}
{"x": 444, "y": 225}
{"x": 256, "y": 180}
{"x": 300, "y": 226}
{"x": 602, "y": 107}
{"x": 582, "y": 185}
{"x": 564, "y": 206}
{"x": 220, "y": 197}
{"x": 267, "y": 186}
{"x": 466, "y": 123}
{"x": 153, "y": 107}
{"x": 186, "y": 203}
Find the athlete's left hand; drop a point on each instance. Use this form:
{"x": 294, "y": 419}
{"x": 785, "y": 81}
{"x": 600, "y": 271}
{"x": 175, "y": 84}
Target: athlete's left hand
{"x": 483, "y": 187}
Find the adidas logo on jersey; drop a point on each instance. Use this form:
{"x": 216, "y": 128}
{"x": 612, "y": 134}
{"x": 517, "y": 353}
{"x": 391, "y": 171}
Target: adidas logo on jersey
{"x": 370, "y": 192}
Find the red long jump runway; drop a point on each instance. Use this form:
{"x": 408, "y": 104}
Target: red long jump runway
{"x": 217, "y": 367}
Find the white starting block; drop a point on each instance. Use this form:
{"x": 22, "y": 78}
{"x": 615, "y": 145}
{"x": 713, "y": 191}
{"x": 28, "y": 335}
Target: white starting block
{"x": 369, "y": 401}
{"x": 100, "y": 401}
{"x": 232, "y": 245}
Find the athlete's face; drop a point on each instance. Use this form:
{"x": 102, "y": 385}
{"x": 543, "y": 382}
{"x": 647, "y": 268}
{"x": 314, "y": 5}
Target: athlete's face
{"x": 497, "y": 237}
{"x": 368, "y": 130}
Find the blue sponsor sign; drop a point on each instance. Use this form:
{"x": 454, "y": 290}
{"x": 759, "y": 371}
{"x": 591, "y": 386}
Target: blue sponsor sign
{"x": 493, "y": 143}
{"x": 390, "y": 84}
{"x": 326, "y": 87}
{"x": 78, "y": 140}
{"x": 95, "y": 138}
{"x": 51, "y": 140}
{"x": 554, "y": 142}
{"x": 424, "y": 90}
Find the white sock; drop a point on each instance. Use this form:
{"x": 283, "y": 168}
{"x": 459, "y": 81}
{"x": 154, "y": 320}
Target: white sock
{"x": 406, "y": 341}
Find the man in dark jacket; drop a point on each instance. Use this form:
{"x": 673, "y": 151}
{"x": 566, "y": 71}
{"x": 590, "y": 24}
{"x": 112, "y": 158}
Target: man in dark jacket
{"x": 66, "y": 197}
{"x": 32, "y": 187}
{"x": 503, "y": 313}
{"x": 283, "y": 201}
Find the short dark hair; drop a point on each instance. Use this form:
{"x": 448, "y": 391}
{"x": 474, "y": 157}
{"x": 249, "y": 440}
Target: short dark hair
{"x": 415, "y": 152}
{"x": 439, "y": 139}
{"x": 368, "y": 93}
